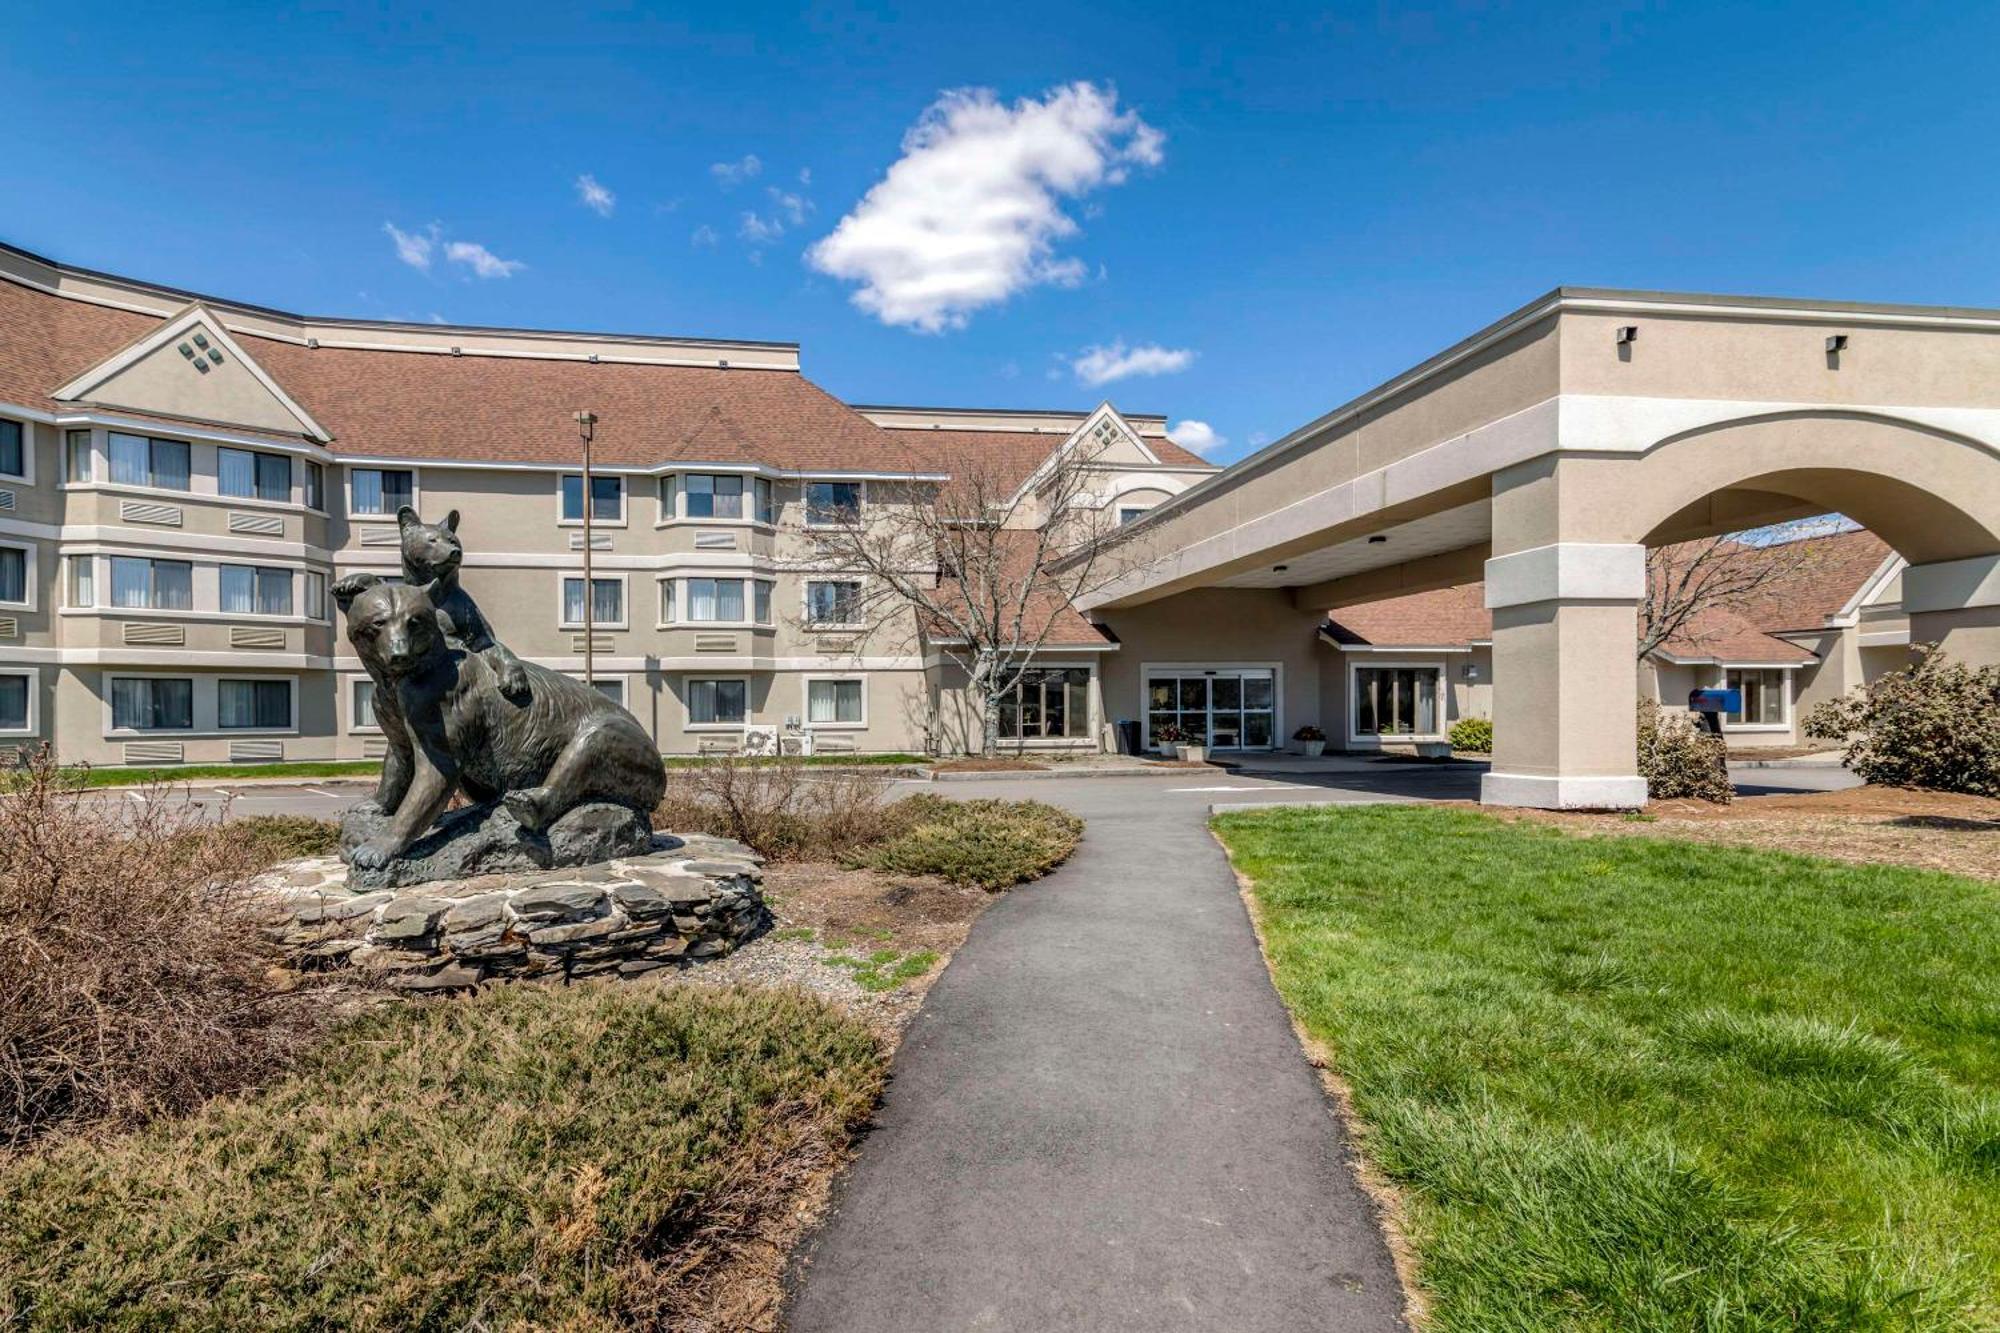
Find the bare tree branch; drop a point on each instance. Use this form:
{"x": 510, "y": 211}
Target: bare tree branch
{"x": 1688, "y": 579}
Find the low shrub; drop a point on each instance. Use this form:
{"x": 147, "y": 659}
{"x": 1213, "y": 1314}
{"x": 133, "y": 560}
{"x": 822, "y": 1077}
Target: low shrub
{"x": 133, "y": 978}
{"x": 1679, "y": 759}
{"x": 1474, "y": 735}
{"x": 783, "y": 810}
{"x": 1935, "y": 724}
{"x": 991, "y": 844}
{"x": 587, "y": 1158}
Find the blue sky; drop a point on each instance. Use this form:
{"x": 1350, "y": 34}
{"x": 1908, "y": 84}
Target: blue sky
{"x": 1242, "y": 214}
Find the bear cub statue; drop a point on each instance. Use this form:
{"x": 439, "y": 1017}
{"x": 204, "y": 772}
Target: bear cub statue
{"x": 432, "y": 554}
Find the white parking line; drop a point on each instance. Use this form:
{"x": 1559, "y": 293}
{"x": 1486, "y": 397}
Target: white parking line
{"x": 1272, "y": 786}
{"x": 317, "y": 792}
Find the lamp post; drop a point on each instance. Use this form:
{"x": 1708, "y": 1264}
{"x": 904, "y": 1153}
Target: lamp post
{"x": 586, "y": 429}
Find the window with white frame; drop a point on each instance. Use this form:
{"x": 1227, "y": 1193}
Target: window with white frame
{"x": 713, "y": 496}
{"x": 256, "y": 591}
{"x": 607, "y": 498}
{"x": 17, "y": 690}
{"x": 152, "y": 703}
{"x": 83, "y": 580}
{"x": 833, "y": 504}
{"x": 13, "y": 449}
{"x": 666, "y": 601}
{"x": 607, "y": 602}
{"x": 362, "y": 712}
{"x": 315, "y": 487}
{"x": 139, "y": 460}
{"x": 378, "y": 490}
{"x": 253, "y": 705}
{"x": 78, "y": 465}
{"x": 246, "y": 475}
{"x": 1398, "y": 701}
{"x": 835, "y": 702}
{"x": 1131, "y": 513}
{"x": 715, "y": 601}
{"x": 669, "y": 489}
{"x": 1764, "y": 696}
{"x": 718, "y": 702}
{"x": 153, "y": 585}
{"x": 14, "y": 575}
{"x": 1047, "y": 703}
{"x": 833, "y": 602}
{"x": 767, "y": 506}
{"x": 611, "y": 687}
{"x": 761, "y": 594}
{"x": 315, "y": 595}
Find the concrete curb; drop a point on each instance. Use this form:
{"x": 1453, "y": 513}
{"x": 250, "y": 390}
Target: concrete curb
{"x": 1786, "y": 763}
{"x": 1352, "y": 798}
{"x": 1017, "y": 775}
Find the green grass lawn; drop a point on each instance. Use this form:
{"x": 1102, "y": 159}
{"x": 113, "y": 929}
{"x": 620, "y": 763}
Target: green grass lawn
{"x": 142, "y": 777}
{"x": 1629, "y": 1083}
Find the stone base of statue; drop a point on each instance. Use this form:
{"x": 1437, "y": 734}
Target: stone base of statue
{"x": 489, "y": 840}
{"x": 679, "y": 901}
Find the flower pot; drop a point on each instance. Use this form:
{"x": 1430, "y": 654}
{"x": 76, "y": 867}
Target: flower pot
{"x": 1433, "y": 749}
{"x": 1194, "y": 754}
{"x": 1169, "y": 750}
{"x": 1311, "y": 749}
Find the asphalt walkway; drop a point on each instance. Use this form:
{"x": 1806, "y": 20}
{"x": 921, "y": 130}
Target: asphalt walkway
{"x": 1101, "y": 1118}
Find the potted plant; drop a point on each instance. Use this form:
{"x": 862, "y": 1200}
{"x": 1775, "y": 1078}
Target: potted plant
{"x": 1310, "y": 740}
{"x": 1194, "y": 749}
{"x": 1171, "y": 738}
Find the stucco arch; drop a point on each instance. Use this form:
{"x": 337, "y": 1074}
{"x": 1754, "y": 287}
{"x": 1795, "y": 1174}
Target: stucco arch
{"x": 1931, "y": 494}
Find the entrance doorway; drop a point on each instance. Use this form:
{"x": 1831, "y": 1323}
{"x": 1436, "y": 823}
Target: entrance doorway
{"x": 1230, "y": 708}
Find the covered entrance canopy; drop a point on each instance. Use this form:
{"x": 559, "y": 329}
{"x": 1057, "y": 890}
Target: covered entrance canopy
{"x": 1546, "y": 452}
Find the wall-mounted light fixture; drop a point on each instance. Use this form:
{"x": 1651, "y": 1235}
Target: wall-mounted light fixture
{"x": 1627, "y": 333}
{"x": 1836, "y": 343}
{"x": 1279, "y": 569}
{"x": 1378, "y": 539}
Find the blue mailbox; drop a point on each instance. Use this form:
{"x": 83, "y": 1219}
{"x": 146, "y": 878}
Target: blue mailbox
{"x": 1715, "y": 701}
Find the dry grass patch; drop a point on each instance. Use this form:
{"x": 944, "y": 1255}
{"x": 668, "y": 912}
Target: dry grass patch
{"x": 591, "y": 1158}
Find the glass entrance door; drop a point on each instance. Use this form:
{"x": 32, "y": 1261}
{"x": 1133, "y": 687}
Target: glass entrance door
{"x": 1229, "y": 708}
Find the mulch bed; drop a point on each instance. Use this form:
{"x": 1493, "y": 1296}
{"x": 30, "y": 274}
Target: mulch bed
{"x": 1930, "y": 830}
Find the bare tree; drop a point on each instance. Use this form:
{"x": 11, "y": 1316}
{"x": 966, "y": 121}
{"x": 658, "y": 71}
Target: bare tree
{"x": 1688, "y": 579}
{"x": 983, "y": 566}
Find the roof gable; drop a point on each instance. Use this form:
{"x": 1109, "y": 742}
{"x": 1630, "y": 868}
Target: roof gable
{"x": 190, "y": 367}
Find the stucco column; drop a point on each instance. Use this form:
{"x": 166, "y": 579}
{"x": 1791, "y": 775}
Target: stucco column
{"x": 1565, "y": 681}
{"x": 1956, "y": 603}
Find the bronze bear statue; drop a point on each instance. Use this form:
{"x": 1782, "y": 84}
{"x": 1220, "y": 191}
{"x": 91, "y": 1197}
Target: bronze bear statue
{"x": 449, "y": 725}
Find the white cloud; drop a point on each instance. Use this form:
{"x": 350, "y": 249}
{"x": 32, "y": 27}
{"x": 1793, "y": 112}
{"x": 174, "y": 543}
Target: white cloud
{"x": 1102, "y": 365}
{"x": 760, "y": 231}
{"x": 793, "y": 206}
{"x": 413, "y": 247}
{"x": 971, "y": 213}
{"x": 805, "y": 175}
{"x": 594, "y": 196}
{"x": 731, "y": 174}
{"x": 1198, "y": 436}
{"x": 481, "y": 260}
{"x": 704, "y": 235}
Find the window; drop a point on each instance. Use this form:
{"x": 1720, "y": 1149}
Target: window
{"x": 835, "y": 702}
{"x": 1049, "y": 703}
{"x": 611, "y": 687}
{"x": 1763, "y": 696}
{"x": 83, "y": 580}
{"x": 140, "y": 703}
{"x": 833, "y": 602}
{"x": 607, "y": 499}
{"x": 666, "y": 601}
{"x": 383, "y": 490}
{"x": 248, "y": 591}
{"x": 315, "y": 596}
{"x": 363, "y": 712}
{"x": 715, "y": 600}
{"x": 76, "y": 455}
{"x": 14, "y": 692}
{"x": 718, "y": 703}
{"x": 260, "y": 705}
{"x": 252, "y": 476}
{"x": 1130, "y": 515}
{"x": 1396, "y": 701}
{"x": 607, "y": 601}
{"x": 155, "y": 585}
{"x": 13, "y": 575}
{"x": 669, "y": 488}
{"x": 833, "y": 503}
{"x": 315, "y": 486}
{"x": 13, "y": 449}
{"x": 767, "y": 509}
{"x": 139, "y": 461}
{"x": 763, "y": 597}
{"x": 714, "y": 497}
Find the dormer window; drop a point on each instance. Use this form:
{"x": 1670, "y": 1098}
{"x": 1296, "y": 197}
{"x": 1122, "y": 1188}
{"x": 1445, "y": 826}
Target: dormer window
{"x": 251, "y": 476}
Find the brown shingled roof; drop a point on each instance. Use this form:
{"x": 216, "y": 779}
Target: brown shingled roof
{"x": 47, "y": 340}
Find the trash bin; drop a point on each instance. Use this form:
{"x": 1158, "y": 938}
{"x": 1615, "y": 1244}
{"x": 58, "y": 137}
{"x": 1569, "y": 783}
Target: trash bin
{"x": 1128, "y": 737}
